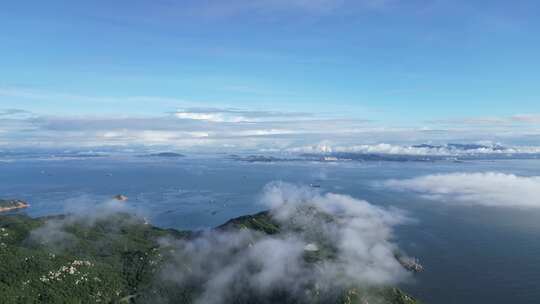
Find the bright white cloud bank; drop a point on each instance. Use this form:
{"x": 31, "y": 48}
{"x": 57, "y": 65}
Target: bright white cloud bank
{"x": 486, "y": 189}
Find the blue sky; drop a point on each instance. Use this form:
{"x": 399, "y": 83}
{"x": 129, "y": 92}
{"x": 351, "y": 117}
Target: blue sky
{"x": 399, "y": 64}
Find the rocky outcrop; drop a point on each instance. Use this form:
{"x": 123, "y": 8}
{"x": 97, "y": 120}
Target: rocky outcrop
{"x": 8, "y": 205}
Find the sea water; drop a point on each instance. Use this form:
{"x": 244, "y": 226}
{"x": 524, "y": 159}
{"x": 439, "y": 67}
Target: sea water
{"x": 471, "y": 254}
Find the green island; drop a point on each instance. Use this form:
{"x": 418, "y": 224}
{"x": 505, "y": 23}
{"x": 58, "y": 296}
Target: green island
{"x": 119, "y": 258}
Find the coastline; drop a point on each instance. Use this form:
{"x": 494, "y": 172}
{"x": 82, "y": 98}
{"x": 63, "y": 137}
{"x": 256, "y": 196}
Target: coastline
{"x": 10, "y": 205}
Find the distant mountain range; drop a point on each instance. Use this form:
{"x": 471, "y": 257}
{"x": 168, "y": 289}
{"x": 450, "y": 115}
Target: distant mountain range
{"x": 165, "y": 154}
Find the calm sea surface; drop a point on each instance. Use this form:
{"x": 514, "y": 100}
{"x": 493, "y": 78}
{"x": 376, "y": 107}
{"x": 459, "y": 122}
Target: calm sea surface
{"x": 471, "y": 254}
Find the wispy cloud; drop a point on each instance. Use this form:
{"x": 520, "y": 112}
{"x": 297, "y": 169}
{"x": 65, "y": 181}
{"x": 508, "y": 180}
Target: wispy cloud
{"x": 236, "y": 115}
{"x": 527, "y": 118}
{"x": 531, "y": 118}
{"x": 240, "y": 129}
{"x": 14, "y": 113}
{"x": 203, "y": 125}
{"x": 220, "y": 9}
{"x": 209, "y": 128}
{"x": 45, "y": 97}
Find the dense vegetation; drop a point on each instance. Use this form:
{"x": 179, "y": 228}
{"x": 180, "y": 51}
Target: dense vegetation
{"x": 117, "y": 259}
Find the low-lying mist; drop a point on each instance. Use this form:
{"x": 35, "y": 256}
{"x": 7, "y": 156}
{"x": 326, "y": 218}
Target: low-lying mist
{"x": 330, "y": 243}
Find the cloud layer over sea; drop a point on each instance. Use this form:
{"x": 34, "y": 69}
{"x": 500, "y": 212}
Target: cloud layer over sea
{"x": 490, "y": 189}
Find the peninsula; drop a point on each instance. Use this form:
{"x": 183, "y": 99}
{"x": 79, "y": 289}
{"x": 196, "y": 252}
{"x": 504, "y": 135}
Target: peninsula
{"x": 9, "y": 205}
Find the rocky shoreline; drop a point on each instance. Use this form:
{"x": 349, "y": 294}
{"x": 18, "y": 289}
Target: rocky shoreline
{"x": 9, "y": 205}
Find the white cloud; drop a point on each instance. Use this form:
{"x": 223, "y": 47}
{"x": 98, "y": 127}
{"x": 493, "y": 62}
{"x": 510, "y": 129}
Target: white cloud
{"x": 530, "y": 118}
{"x": 208, "y": 117}
{"x": 230, "y": 262}
{"x": 486, "y": 189}
{"x": 527, "y": 118}
{"x": 211, "y": 128}
{"x": 237, "y": 115}
{"x": 417, "y": 150}
{"x": 13, "y": 112}
{"x": 381, "y": 148}
{"x": 85, "y": 210}
{"x": 214, "y": 128}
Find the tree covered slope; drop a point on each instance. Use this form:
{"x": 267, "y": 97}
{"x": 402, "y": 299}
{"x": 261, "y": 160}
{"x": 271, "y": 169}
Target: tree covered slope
{"x": 121, "y": 259}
